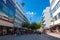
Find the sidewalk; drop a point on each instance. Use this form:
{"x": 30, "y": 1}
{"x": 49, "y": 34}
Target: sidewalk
{"x": 54, "y": 34}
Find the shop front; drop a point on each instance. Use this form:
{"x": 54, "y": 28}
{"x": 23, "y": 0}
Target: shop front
{"x": 6, "y": 27}
{"x": 1, "y": 30}
{"x": 55, "y": 28}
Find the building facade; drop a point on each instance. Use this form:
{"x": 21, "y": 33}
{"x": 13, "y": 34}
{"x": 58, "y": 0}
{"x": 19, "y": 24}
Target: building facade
{"x": 55, "y": 11}
{"x": 11, "y": 17}
{"x": 46, "y": 17}
{"x": 41, "y": 20}
{"x": 19, "y": 17}
{"x": 7, "y": 10}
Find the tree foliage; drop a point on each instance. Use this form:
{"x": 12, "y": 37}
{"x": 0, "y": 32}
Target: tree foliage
{"x": 32, "y": 26}
{"x": 25, "y": 24}
{"x": 35, "y": 25}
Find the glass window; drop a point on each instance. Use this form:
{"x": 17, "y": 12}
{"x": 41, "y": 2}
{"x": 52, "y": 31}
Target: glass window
{"x": 6, "y": 9}
{"x": 0, "y": 16}
{"x": 5, "y": 17}
{"x": 55, "y": 18}
{"x": 44, "y": 21}
{"x": 56, "y": 7}
{"x": 4, "y": 1}
{"x": 59, "y": 16}
{"x": 11, "y": 13}
{"x": 44, "y": 24}
{"x": 1, "y": 5}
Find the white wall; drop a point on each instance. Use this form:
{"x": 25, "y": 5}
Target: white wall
{"x": 55, "y": 13}
{"x": 50, "y": 1}
{"x": 54, "y": 4}
{"x": 47, "y": 17}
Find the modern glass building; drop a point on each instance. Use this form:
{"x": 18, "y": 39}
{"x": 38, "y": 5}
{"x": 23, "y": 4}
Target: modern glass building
{"x": 7, "y": 11}
{"x": 7, "y": 7}
{"x": 11, "y": 16}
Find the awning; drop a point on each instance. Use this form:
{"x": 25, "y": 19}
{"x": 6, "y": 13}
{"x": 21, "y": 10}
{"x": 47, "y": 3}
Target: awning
{"x": 6, "y": 23}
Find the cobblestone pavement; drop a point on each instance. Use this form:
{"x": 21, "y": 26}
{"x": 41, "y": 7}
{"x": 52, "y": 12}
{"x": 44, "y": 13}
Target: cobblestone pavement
{"x": 28, "y": 37}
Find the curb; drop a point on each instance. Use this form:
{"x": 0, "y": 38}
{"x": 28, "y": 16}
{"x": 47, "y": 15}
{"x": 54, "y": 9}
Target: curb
{"x": 54, "y": 35}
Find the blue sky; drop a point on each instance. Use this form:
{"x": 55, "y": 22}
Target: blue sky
{"x": 33, "y": 8}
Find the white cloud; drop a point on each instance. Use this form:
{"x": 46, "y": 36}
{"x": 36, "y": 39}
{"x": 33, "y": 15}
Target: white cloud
{"x": 30, "y": 13}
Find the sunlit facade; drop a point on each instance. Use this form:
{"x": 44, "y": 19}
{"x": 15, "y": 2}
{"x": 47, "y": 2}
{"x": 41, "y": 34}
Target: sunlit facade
{"x": 19, "y": 17}
{"x": 55, "y": 11}
{"x": 46, "y": 15}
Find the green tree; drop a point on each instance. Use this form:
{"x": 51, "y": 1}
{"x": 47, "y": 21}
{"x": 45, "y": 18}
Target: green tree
{"x": 35, "y": 25}
{"x": 32, "y": 26}
{"x": 39, "y": 25}
{"x": 26, "y": 24}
